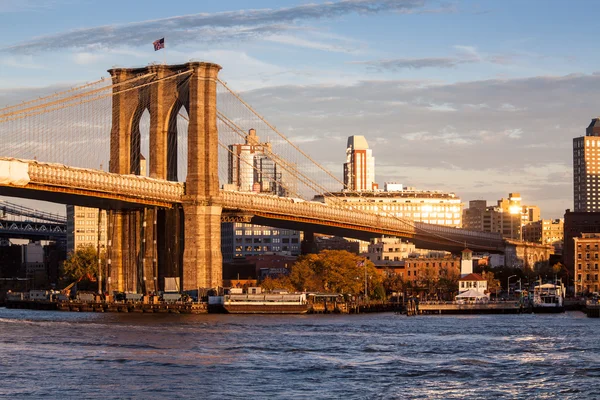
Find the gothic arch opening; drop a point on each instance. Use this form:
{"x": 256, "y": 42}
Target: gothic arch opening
{"x": 177, "y": 143}
{"x": 140, "y": 142}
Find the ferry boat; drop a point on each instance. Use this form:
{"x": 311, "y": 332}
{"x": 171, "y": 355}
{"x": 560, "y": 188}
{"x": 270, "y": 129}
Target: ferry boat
{"x": 548, "y": 298}
{"x": 293, "y": 303}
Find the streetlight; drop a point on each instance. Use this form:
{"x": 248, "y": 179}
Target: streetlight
{"x": 508, "y": 284}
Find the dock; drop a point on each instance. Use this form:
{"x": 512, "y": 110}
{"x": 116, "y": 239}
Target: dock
{"x": 499, "y": 307}
{"x": 121, "y": 307}
{"x": 592, "y": 308}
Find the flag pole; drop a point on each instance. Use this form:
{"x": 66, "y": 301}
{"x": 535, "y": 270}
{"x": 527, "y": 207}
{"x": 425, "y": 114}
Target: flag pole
{"x": 165, "y": 53}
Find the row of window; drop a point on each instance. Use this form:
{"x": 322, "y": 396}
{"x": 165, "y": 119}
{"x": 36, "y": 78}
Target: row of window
{"x": 240, "y": 249}
{"x": 266, "y": 232}
{"x": 587, "y": 256}
{"x": 88, "y": 238}
{"x": 266, "y": 240}
{"x": 587, "y": 266}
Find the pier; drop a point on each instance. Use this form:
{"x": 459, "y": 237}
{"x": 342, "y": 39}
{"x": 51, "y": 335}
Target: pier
{"x": 500, "y": 307}
{"x": 103, "y": 306}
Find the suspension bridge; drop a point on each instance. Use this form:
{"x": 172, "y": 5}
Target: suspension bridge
{"x": 181, "y": 121}
{"x": 19, "y": 222}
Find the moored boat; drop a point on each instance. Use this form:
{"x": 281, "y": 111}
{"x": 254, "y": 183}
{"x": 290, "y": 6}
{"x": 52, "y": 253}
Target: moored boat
{"x": 294, "y": 303}
{"x": 548, "y": 298}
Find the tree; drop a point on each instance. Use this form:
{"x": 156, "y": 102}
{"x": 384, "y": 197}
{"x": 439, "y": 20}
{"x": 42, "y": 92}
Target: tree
{"x": 282, "y": 282}
{"x": 336, "y": 271}
{"x": 493, "y": 284}
{"x": 81, "y": 263}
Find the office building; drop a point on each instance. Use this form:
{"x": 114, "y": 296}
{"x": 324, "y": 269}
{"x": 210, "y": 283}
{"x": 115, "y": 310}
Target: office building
{"x": 545, "y": 231}
{"x": 251, "y": 168}
{"x": 506, "y": 217}
{"x": 359, "y": 169}
{"x": 85, "y": 226}
{"x": 586, "y": 169}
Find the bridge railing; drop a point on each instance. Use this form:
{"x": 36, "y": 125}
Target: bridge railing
{"x": 308, "y": 209}
{"x": 89, "y": 179}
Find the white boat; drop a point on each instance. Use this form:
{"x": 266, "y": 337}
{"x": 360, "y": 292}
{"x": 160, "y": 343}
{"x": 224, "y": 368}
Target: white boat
{"x": 549, "y": 298}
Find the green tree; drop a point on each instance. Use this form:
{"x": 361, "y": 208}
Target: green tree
{"x": 81, "y": 263}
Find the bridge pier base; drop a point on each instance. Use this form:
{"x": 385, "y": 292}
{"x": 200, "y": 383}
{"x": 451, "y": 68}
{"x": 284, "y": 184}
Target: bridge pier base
{"x": 202, "y": 258}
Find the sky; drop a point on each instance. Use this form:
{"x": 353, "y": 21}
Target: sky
{"x": 480, "y": 98}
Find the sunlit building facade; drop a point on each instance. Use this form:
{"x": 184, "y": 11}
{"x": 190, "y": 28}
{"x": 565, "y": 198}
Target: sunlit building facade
{"x": 429, "y": 206}
{"x": 85, "y": 226}
{"x": 359, "y": 169}
{"x": 587, "y": 259}
{"x": 586, "y": 169}
{"x": 507, "y": 217}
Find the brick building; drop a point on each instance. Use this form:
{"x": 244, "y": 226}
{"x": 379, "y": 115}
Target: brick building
{"x": 587, "y": 258}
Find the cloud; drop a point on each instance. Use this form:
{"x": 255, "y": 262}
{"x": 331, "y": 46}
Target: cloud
{"x": 465, "y": 55}
{"x": 216, "y": 27}
{"x": 20, "y": 61}
{"x": 311, "y": 44}
{"x": 514, "y": 135}
{"x": 412, "y": 63}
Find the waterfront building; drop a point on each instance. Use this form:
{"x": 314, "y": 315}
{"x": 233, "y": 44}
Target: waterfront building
{"x": 507, "y": 217}
{"x": 587, "y": 258}
{"x": 466, "y": 262}
{"x": 473, "y": 282}
{"x": 359, "y": 169}
{"x": 545, "y": 231}
{"x": 85, "y": 226}
{"x": 586, "y": 169}
{"x": 429, "y": 206}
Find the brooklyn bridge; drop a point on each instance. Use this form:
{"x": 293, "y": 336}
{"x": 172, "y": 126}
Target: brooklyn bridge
{"x": 181, "y": 120}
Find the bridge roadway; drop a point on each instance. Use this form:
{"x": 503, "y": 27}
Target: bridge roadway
{"x": 93, "y": 188}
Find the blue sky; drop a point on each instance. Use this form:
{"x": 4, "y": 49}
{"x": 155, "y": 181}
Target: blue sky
{"x": 476, "y": 97}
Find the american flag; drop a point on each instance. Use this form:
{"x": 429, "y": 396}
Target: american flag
{"x": 159, "y": 44}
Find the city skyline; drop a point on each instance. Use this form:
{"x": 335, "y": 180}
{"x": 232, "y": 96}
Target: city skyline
{"x": 468, "y": 97}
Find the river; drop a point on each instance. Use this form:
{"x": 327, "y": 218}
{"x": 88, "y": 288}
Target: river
{"x": 371, "y": 356}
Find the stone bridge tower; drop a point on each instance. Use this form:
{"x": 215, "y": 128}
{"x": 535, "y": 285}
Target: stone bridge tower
{"x": 146, "y": 246}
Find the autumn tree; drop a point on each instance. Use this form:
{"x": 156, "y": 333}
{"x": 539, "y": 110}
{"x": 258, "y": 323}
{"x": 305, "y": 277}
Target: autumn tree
{"x": 336, "y": 271}
{"x": 283, "y": 282}
{"x": 493, "y": 284}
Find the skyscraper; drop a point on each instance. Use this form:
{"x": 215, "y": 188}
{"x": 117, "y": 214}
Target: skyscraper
{"x": 586, "y": 168}
{"x": 359, "y": 169}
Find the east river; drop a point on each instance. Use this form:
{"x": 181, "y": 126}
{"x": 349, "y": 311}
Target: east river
{"x": 46, "y": 354}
